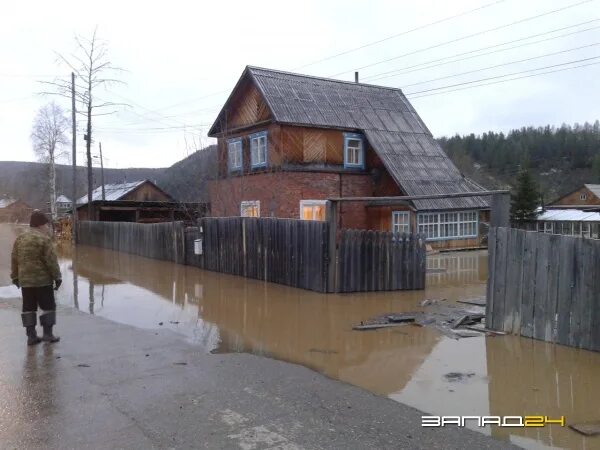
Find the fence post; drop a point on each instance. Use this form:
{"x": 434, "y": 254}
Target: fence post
{"x": 500, "y": 214}
{"x": 332, "y": 219}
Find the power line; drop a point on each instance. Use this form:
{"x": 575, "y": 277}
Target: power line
{"x": 468, "y": 36}
{"x": 502, "y": 65}
{"x": 411, "y": 95}
{"x": 429, "y": 65}
{"x": 412, "y": 30}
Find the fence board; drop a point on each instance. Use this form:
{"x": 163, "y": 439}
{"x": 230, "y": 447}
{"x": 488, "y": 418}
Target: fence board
{"x": 512, "y": 313}
{"x": 590, "y": 273}
{"x": 500, "y": 279}
{"x": 552, "y": 288}
{"x": 528, "y": 280}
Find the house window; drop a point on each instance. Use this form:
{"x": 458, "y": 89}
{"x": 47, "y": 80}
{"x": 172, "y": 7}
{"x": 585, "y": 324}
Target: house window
{"x": 312, "y": 210}
{"x": 400, "y": 222}
{"x": 250, "y": 208}
{"x": 234, "y": 154}
{"x": 354, "y": 153}
{"x": 258, "y": 149}
{"x": 448, "y": 225}
{"x": 583, "y": 196}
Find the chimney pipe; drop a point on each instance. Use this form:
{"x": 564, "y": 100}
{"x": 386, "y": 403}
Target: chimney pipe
{"x": 356, "y": 77}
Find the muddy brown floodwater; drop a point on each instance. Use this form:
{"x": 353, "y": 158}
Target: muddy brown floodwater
{"x": 504, "y": 375}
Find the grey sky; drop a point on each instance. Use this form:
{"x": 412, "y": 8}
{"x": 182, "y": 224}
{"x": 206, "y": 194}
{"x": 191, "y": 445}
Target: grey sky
{"x": 183, "y": 58}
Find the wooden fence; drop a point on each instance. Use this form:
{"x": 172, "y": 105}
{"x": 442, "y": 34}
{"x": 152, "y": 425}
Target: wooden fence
{"x": 379, "y": 261}
{"x": 296, "y": 253}
{"x": 544, "y": 286}
{"x": 158, "y": 241}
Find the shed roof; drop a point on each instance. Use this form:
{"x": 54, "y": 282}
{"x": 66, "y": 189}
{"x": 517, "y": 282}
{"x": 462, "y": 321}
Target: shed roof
{"x": 4, "y": 202}
{"x": 391, "y": 125}
{"x": 63, "y": 199}
{"x": 568, "y": 215}
{"x": 112, "y": 191}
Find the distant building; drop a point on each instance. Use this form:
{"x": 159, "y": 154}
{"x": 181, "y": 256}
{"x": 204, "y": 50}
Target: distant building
{"x": 137, "y": 201}
{"x": 288, "y": 142}
{"x": 63, "y": 205}
{"x": 574, "y": 214}
{"x": 587, "y": 196}
{"x": 14, "y": 211}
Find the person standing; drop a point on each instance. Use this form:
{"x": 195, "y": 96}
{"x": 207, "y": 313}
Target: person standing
{"x": 34, "y": 269}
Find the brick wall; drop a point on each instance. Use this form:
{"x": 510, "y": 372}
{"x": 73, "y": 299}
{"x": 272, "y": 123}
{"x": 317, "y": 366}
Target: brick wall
{"x": 280, "y": 193}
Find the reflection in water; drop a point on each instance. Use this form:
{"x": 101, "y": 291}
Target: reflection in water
{"x": 539, "y": 378}
{"x": 507, "y": 375}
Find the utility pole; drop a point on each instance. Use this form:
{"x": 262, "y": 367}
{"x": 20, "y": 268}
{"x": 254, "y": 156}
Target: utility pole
{"x": 74, "y": 139}
{"x": 102, "y": 172}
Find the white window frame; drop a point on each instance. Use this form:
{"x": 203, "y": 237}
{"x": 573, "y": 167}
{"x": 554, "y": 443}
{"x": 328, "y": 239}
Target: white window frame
{"x": 310, "y": 203}
{"x": 234, "y": 155}
{"x": 448, "y": 225}
{"x": 583, "y": 196}
{"x": 361, "y": 150}
{"x": 259, "y": 149}
{"x": 249, "y": 204}
{"x": 400, "y": 227}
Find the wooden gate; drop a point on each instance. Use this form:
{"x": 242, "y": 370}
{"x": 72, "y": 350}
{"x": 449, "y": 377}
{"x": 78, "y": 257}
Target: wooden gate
{"x": 286, "y": 251}
{"x": 380, "y": 261}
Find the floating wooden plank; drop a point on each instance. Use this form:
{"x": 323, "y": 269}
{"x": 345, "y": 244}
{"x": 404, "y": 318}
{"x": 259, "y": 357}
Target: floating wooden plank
{"x": 376, "y": 326}
{"x": 474, "y": 301}
{"x": 587, "y": 428}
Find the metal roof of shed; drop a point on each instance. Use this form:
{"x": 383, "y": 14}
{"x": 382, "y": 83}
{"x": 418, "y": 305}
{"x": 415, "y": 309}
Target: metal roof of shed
{"x": 391, "y": 125}
{"x": 112, "y": 191}
{"x": 595, "y": 188}
{"x": 568, "y": 215}
{"x": 4, "y": 202}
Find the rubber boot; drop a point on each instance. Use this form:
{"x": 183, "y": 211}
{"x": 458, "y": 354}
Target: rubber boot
{"x": 48, "y": 320}
{"x": 29, "y": 321}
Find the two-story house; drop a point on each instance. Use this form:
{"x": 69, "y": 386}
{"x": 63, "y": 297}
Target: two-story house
{"x": 287, "y": 142}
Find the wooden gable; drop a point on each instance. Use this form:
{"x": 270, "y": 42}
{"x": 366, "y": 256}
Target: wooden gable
{"x": 245, "y": 107}
{"x": 581, "y": 197}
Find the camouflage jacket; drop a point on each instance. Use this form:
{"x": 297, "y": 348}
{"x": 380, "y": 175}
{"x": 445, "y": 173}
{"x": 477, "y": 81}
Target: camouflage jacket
{"x": 33, "y": 260}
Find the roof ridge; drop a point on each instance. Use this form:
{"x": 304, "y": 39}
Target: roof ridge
{"x": 314, "y": 77}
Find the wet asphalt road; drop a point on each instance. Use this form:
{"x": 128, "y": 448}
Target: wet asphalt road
{"x": 107, "y": 385}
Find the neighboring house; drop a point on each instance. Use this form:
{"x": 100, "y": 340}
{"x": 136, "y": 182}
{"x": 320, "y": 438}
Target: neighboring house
{"x": 287, "y": 142}
{"x": 574, "y": 214}
{"x": 63, "y": 205}
{"x": 12, "y": 210}
{"x": 587, "y": 196}
{"x": 137, "y": 201}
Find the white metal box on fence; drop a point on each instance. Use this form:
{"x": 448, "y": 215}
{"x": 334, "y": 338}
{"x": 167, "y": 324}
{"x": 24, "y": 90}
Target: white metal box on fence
{"x": 197, "y": 246}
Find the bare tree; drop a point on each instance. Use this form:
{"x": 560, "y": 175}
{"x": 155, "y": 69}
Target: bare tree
{"x": 92, "y": 68}
{"x": 48, "y": 137}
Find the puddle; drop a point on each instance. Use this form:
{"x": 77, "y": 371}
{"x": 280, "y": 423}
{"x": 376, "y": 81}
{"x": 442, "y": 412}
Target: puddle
{"x": 502, "y": 375}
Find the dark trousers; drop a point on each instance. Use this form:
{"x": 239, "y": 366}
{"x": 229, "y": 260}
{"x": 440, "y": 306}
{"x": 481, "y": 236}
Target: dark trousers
{"x": 42, "y": 296}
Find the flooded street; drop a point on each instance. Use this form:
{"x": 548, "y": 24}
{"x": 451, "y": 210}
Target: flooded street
{"x": 502, "y": 375}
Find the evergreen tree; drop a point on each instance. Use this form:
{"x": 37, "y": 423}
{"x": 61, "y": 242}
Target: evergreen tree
{"x": 525, "y": 199}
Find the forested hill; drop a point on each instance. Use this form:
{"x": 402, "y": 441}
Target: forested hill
{"x": 560, "y": 159}
{"x": 185, "y": 180}
{"x": 28, "y": 181}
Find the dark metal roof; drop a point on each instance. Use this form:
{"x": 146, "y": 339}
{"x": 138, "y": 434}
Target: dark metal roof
{"x": 393, "y": 128}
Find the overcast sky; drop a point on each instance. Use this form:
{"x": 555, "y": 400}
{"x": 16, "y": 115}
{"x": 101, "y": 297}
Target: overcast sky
{"x": 182, "y": 58}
